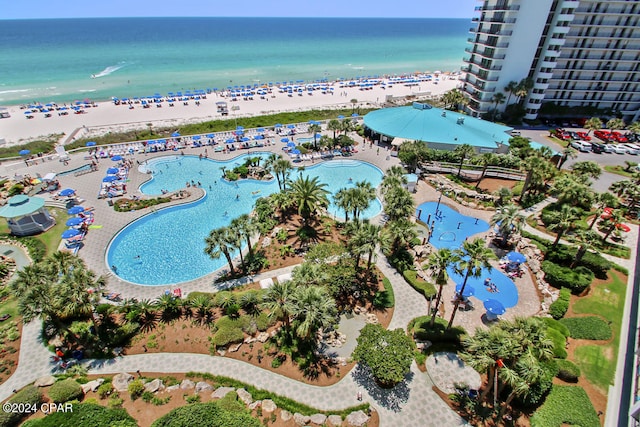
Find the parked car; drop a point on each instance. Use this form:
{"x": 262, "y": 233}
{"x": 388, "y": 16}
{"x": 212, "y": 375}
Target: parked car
{"x": 583, "y": 136}
{"x": 603, "y": 135}
{"x": 598, "y": 147}
{"x": 609, "y": 148}
{"x": 632, "y": 149}
{"x": 583, "y": 146}
{"x": 619, "y": 137}
{"x": 619, "y": 149}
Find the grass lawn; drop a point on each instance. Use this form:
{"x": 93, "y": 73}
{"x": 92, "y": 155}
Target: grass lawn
{"x": 559, "y": 141}
{"x": 598, "y": 362}
{"x": 9, "y": 306}
{"x": 618, "y": 170}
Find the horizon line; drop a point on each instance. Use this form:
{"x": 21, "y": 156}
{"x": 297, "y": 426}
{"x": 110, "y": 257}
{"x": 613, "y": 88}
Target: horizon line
{"x": 236, "y": 17}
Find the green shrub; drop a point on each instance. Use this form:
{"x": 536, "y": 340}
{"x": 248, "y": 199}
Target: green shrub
{"x": 554, "y": 324}
{"x": 559, "y": 343}
{"x": 263, "y": 321}
{"x": 539, "y": 389}
{"x": 401, "y": 260}
{"x": 568, "y": 371}
{"x": 147, "y": 396}
{"x": 105, "y": 390}
{"x": 566, "y": 405}
{"x": 205, "y": 415}
{"x": 588, "y": 328}
{"x": 559, "y": 307}
{"x": 386, "y": 298}
{"x": 565, "y": 255}
{"x": 425, "y": 288}
{"x": 30, "y": 395}
{"x": 230, "y": 403}
{"x": 86, "y": 415}
{"x": 65, "y": 390}
{"x": 577, "y": 279}
{"x": 225, "y": 336}
{"x": 421, "y": 329}
{"x": 135, "y": 389}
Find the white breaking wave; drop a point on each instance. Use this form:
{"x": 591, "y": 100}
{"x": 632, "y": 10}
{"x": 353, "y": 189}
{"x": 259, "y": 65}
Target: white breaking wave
{"x": 109, "y": 70}
{"x": 14, "y": 91}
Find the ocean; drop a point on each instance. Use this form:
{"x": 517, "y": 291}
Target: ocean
{"x": 63, "y": 60}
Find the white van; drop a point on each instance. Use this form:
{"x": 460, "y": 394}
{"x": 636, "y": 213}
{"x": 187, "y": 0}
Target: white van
{"x": 583, "y": 146}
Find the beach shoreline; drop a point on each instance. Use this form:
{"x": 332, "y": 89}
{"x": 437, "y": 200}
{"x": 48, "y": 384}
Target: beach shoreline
{"x": 105, "y": 116}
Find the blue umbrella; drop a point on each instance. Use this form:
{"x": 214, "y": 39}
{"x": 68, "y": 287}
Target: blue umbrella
{"x": 245, "y": 139}
{"x": 260, "y": 130}
{"x": 291, "y": 144}
{"x": 278, "y": 125}
{"x": 211, "y": 135}
{"x": 516, "y": 257}
{"x": 494, "y": 307}
{"x": 295, "y": 151}
{"x": 112, "y": 170}
{"x": 468, "y": 290}
{"x": 284, "y": 140}
{"x": 116, "y": 158}
{"x": 175, "y": 134}
{"x": 196, "y": 138}
{"x": 24, "y": 152}
{"x": 72, "y": 222}
{"x": 355, "y": 115}
{"x": 67, "y": 192}
{"x": 72, "y": 232}
{"x": 75, "y": 210}
{"x": 230, "y": 141}
{"x": 291, "y": 126}
{"x": 258, "y": 137}
{"x": 90, "y": 144}
{"x": 109, "y": 178}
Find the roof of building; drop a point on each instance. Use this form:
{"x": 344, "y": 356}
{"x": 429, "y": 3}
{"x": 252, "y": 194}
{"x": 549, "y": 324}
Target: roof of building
{"x": 21, "y": 205}
{"x": 422, "y": 122}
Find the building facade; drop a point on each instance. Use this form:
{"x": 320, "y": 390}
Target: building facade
{"x": 575, "y": 53}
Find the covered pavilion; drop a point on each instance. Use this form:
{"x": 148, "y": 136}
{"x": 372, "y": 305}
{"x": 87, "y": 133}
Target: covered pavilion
{"x": 27, "y": 215}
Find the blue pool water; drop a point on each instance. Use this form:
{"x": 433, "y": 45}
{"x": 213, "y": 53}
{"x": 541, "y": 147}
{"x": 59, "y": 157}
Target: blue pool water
{"x": 451, "y": 228}
{"x": 170, "y": 241}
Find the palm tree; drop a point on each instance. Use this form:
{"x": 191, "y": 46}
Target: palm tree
{"x": 402, "y": 232}
{"x": 314, "y": 129}
{"x": 343, "y": 200}
{"x": 250, "y": 302}
{"x": 522, "y": 90}
{"x": 611, "y": 223}
{"x": 394, "y": 177}
{"x": 586, "y": 170}
{"x": 277, "y": 301}
{"x": 464, "y": 151}
{"x": 567, "y": 153}
{"x": 470, "y": 260}
{"x": 335, "y": 126}
{"x": 510, "y": 88}
{"x": 615, "y": 124}
{"x": 634, "y": 127}
{"x": 563, "y": 221}
{"x": 202, "y": 309}
{"x": 437, "y": 266}
{"x": 504, "y": 195}
{"x": 219, "y": 242}
{"x": 145, "y": 314}
{"x": 364, "y": 194}
{"x": 354, "y": 102}
{"x": 282, "y": 169}
{"x": 368, "y": 238}
{"x": 602, "y": 201}
{"x": 509, "y": 221}
{"x": 169, "y": 306}
{"x": 246, "y": 227}
{"x": 570, "y": 189}
{"x": 497, "y": 99}
{"x": 312, "y": 309}
{"x": 587, "y": 239}
{"x": 309, "y": 195}
{"x": 594, "y": 123}
{"x": 486, "y": 159}
{"x": 452, "y": 99}
{"x": 398, "y": 203}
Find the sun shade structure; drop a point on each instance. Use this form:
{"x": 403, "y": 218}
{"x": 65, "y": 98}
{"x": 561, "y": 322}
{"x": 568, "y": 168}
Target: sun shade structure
{"x": 439, "y": 129}
{"x": 27, "y": 215}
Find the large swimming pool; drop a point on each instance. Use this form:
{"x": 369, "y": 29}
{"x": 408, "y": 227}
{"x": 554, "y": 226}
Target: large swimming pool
{"x": 451, "y": 228}
{"x": 167, "y": 246}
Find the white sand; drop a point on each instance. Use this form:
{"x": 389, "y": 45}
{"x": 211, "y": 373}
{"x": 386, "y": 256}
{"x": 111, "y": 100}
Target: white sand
{"x": 109, "y": 117}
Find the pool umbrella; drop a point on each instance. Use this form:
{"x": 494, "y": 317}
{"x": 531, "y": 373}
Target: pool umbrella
{"x": 230, "y": 141}
{"x": 196, "y": 138}
{"x": 112, "y": 170}
{"x": 75, "y": 210}
{"x": 67, "y": 192}
{"x": 110, "y": 178}
{"x": 90, "y": 144}
{"x": 355, "y": 115}
{"x": 623, "y": 227}
{"x": 116, "y": 158}
{"x": 291, "y": 126}
{"x": 24, "y": 152}
{"x": 340, "y": 117}
{"x": 72, "y": 232}
{"x": 278, "y": 125}
{"x": 284, "y": 140}
{"x": 295, "y": 152}
{"x": 245, "y": 139}
{"x": 516, "y": 257}
{"x": 494, "y": 307}
{"x": 175, "y": 134}
{"x": 72, "y": 222}
{"x": 291, "y": 144}
{"x": 468, "y": 290}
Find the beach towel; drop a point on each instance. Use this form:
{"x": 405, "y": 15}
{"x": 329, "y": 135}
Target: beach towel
{"x": 95, "y": 226}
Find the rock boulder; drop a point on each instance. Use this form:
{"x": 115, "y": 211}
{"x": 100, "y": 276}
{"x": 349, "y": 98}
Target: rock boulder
{"x": 357, "y": 419}
{"x": 121, "y": 381}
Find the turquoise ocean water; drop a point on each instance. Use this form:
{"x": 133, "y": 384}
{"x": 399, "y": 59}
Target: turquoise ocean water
{"x": 55, "y": 59}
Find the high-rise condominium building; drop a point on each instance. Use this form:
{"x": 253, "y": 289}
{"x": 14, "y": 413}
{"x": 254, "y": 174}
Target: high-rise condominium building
{"x": 576, "y": 53}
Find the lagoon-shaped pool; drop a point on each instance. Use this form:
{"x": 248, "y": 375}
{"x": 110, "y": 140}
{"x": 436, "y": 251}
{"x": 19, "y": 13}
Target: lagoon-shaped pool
{"x": 167, "y": 246}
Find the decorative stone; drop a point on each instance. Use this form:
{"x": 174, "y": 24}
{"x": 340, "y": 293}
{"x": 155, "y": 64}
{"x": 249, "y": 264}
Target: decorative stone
{"x": 221, "y": 352}
{"x": 300, "y": 419}
{"x": 172, "y": 388}
{"x": 255, "y": 404}
{"x": 269, "y": 405}
{"x": 45, "y": 381}
{"x": 154, "y": 385}
{"x": 92, "y": 385}
{"x": 335, "y": 420}
{"x": 203, "y": 386}
{"x": 235, "y": 348}
{"x": 249, "y": 340}
{"x": 121, "y": 381}
{"x": 222, "y": 392}
{"x": 371, "y": 319}
{"x": 357, "y": 419}
{"x": 285, "y": 415}
{"x": 244, "y": 396}
{"x": 187, "y": 384}
{"x": 262, "y": 337}
{"x": 266, "y": 242}
{"x": 318, "y": 419}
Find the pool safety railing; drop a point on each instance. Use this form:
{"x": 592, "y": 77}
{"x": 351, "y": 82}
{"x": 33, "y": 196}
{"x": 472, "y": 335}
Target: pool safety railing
{"x": 445, "y": 236}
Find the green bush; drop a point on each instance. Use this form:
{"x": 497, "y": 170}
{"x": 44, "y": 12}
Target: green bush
{"x": 559, "y": 343}
{"x": 565, "y": 255}
{"x": 421, "y": 329}
{"x": 105, "y": 390}
{"x": 225, "y": 336}
{"x": 30, "y": 395}
{"x": 425, "y": 288}
{"x": 577, "y": 279}
{"x": 559, "y": 307}
{"x": 401, "y": 260}
{"x": 135, "y": 389}
{"x": 568, "y": 371}
{"x": 86, "y": 415}
{"x": 539, "y": 389}
{"x": 386, "y": 298}
{"x": 554, "y": 324}
{"x": 65, "y": 390}
{"x": 205, "y": 415}
{"x": 588, "y": 328}
{"x": 566, "y": 405}
{"x": 230, "y": 403}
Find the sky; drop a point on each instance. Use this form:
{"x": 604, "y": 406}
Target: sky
{"x": 36, "y": 9}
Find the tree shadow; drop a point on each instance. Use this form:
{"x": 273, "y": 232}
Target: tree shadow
{"x": 389, "y": 398}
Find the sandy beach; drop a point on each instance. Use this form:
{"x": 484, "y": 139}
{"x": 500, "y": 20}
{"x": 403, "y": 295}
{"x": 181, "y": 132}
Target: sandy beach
{"x": 107, "y": 117}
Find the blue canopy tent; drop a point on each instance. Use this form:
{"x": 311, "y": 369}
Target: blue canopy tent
{"x": 67, "y": 192}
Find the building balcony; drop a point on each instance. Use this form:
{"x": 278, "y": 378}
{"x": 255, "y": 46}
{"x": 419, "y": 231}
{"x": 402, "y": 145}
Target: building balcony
{"x": 536, "y": 96}
{"x": 569, "y": 4}
{"x": 556, "y": 42}
{"x": 547, "y": 64}
{"x": 502, "y": 45}
{"x": 566, "y": 17}
{"x": 482, "y": 66}
{"x": 634, "y": 39}
{"x": 491, "y": 32}
{"x": 478, "y": 87}
{"x": 499, "y": 8}
{"x": 485, "y": 54}
{"x": 561, "y": 30}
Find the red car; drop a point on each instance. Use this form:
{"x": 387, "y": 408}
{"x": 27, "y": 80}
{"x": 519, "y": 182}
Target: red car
{"x": 619, "y": 137}
{"x": 584, "y": 136}
{"x": 604, "y": 135}
{"x": 562, "y": 134}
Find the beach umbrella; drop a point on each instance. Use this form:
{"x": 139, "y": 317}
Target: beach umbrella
{"x": 291, "y": 144}
{"x": 72, "y": 232}
{"x": 175, "y": 134}
{"x": 258, "y": 137}
{"x": 340, "y": 117}
{"x": 72, "y": 222}
{"x": 516, "y": 257}
{"x": 24, "y": 152}
{"x": 468, "y": 290}
{"x": 260, "y": 130}
{"x": 230, "y": 141}
{"x": 75, "y": 210}
{"x": 623, "y": 227}
{"x": 196, "y": 138}
{"x": 112, "y": 170}
{"x": 295, "y": 151}
{"x": 26, "y": 113}
{"x": 278, "y": 125}
{"x": 494, "y": 307}
{"x": 116, "y": 158}
{"x": 67, "y": 192}
{"x": 239, "y": 127}
{"x": 109, "y": 178}
{"x": 90, "y": 144}
{"x": 355, "y": 115}
{"x": 245, "y": 139}
{"x": 291, "y": 126}
{"x": 284, "y": 140}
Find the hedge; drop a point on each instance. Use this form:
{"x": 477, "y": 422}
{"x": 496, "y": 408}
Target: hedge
{"x": 559, "y": 307}
{"x": 30, "y": 395}
{"x": 588, "y": 328}
{"x": 420, "y": 285}
{"x": 386, "y": 298}
{"x": 421, "y": 329}
{"x": 554, "y": 324}
{"x": 566, "y": 405}
{"x": 65, "y": 390}
{"x": 565, "y": 255}
{"x": 205, "y": 415}
{"x": 86, "y": 415}
{"x": 559, "y": 343}
{"x": 577, "y": 279}
{"x": 568, "y": 371}
{"x": 227, "y": 335}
